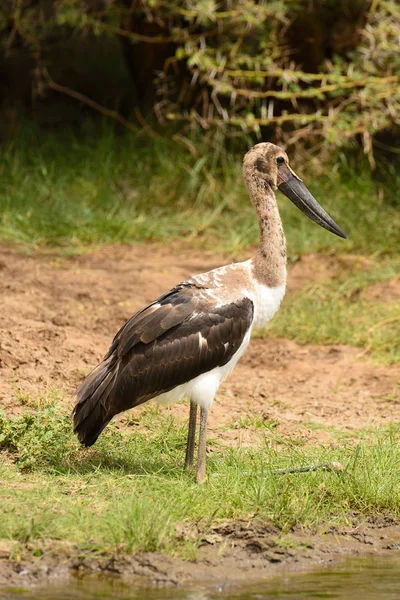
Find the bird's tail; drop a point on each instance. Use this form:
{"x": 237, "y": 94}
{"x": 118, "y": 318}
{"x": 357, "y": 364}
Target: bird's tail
{"x": 93, "y": 411}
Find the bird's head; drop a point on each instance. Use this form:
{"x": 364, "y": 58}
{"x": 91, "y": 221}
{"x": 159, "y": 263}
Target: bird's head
{"x": 266, "y": 165}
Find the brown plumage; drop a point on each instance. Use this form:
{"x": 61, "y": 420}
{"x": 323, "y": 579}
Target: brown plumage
{"x": 158, "y": 349}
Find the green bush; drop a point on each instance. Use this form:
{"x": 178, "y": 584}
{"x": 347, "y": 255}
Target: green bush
{"x": 327, "y": 70}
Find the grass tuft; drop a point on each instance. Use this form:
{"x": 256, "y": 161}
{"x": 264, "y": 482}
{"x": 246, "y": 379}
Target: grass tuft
{"x": 339, "y": 311}
{"x": 97, "y": 187}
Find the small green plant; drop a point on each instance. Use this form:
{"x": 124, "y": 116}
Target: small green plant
{"x": 37, "y": 439}
{"x": 255, "y": 421}
{"x": 46, "y": 399}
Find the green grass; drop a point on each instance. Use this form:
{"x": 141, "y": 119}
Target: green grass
{"x": 96, "y": 187}
{"x": 130, "y": 492}
{"x": 339, "y": 311}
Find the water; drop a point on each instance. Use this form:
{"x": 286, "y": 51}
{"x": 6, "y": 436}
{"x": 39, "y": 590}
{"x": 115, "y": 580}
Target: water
{"x": 370, "y": 579}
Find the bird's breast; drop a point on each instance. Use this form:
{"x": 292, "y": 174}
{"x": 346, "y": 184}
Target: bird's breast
{"x": 236, "y": 281}
{"x": 266, "y": 303}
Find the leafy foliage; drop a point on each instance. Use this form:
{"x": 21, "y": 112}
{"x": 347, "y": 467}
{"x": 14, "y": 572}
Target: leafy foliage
{"x": 34, "y": 438}
{"x": 328, "y": 69}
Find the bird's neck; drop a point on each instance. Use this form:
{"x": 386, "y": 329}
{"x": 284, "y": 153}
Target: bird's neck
{"x": 269, "y": 263}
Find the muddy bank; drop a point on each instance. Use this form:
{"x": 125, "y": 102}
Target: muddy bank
{"x": 240, "y": 552}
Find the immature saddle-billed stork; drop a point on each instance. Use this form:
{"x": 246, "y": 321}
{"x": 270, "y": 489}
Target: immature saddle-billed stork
{"x": 188, "y": 341}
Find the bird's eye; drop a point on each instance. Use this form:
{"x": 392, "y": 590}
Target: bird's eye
{"x": 280, "y": 160}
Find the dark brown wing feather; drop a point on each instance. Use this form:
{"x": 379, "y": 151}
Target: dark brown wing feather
{"x": 158, "y": 349}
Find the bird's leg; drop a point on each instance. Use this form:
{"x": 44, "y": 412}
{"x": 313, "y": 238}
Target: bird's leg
{"x": 201, "y": 461}
{"x": 191, "y": 437}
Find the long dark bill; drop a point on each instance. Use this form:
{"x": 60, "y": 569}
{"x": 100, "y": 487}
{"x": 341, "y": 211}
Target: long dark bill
{"x": 294, "y": 189}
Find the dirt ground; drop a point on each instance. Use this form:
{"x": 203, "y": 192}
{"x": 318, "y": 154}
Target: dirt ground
{"x": 59, "y": 314}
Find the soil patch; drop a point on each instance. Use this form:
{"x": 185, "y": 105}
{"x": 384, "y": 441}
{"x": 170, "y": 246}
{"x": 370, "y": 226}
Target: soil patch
{"x": 59, "y": 314}
{"x": 388, "y": 291}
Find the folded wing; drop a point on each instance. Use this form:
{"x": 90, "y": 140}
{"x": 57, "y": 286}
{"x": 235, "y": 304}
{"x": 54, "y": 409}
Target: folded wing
{"x": 173, "y": 340}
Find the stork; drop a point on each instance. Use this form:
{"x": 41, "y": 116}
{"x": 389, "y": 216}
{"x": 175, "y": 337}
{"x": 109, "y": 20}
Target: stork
{"x": 185, "y": 343}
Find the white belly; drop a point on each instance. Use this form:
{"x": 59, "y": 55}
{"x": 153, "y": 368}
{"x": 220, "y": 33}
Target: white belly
{"x": 203, "y": 388}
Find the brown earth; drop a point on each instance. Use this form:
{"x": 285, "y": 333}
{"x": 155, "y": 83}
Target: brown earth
{"x": 59, "y": 314}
